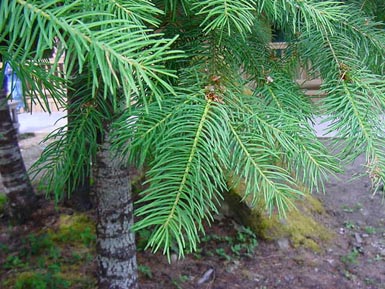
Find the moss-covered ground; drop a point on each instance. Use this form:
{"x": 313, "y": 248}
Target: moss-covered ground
{"x": 56, "y": 256}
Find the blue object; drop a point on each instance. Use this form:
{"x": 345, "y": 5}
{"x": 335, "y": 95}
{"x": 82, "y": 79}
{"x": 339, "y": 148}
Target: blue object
{"x": 13, "y": 87}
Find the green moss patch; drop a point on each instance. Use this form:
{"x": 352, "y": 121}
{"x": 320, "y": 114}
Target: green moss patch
{"x": 74, "y": 229}
{"x": 41, "y": 280}
{"x": 54, "y": 258}
{"x": 301, "y": 226}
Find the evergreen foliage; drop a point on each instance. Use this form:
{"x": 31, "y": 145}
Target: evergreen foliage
{"x": 194, "y": 90}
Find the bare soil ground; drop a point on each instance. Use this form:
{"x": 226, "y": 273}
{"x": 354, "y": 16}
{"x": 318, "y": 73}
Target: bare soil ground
{"x": 229, "y": 257}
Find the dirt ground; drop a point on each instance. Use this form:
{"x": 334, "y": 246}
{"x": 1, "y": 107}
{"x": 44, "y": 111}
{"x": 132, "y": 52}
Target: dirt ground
{"x": 229, "y": 258}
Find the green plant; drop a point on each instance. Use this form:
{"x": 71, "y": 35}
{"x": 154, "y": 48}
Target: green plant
{"x": 350, "y": 225}
{"x": 243, "y": 243}
{"x": 54, "y": 279}
{"x": 221, "y": 252}
{"x": 31, "y": 281}
{"x": 348, "y": 209}
{"x": 34, "y": 244}
{"x": 54, "y": 253}
{"x": 50, "y": 279}
{"x": 89, "y": 257}
{"x": 13, "y": 261}
{"x": 194, "y": 89}
{"x": 145, "y": 270}
{"x": 351, "y": 257}
{"x": 75, "y": 257}
{"x": 246, "y": 242}
{"x": 178, "y": 282}
{"x": 88, "y": 236}
{"x": 41, "y": 261}
{"x": 370, "y": 230}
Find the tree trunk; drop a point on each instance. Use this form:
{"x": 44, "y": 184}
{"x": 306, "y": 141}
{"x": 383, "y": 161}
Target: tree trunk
{"x": 19, "y": 191}
{"x": 117, "y": 267}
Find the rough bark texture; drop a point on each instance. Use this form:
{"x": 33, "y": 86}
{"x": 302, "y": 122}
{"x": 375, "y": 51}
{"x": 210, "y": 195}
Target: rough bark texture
{"x": 115, "y": 241}
{"x": 19, "y": 191}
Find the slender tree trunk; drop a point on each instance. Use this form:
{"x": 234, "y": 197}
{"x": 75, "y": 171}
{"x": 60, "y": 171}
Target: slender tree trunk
{"x": 20, "y": 193}
{"x": 115, "y": 240}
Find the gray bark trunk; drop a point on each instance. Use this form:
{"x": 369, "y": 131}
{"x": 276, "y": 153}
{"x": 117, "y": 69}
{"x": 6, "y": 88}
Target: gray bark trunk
{"x": 19, "y": 191}
{"x": 117, "y": 267}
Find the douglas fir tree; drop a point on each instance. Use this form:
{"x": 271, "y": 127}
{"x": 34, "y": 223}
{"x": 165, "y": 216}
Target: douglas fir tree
{"x": 194, "y": 90}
